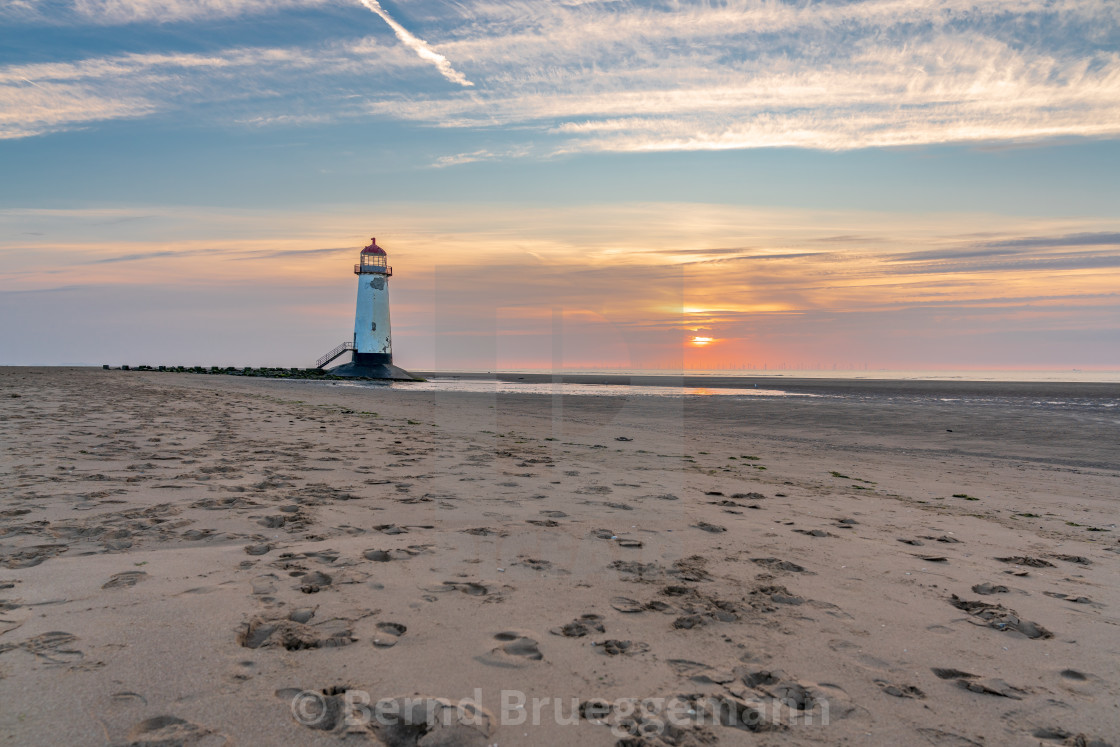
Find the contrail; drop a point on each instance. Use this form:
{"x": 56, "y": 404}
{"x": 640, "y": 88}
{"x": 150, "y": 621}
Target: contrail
{"x": 419, "y": 46}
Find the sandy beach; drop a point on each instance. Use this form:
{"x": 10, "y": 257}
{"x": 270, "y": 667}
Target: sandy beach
{"x": 209, "y": 560}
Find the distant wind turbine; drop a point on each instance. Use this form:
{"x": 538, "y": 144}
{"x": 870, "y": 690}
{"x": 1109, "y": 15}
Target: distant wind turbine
{"x": 419, "y": 46}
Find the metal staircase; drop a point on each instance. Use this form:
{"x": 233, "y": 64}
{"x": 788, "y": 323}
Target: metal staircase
{"x": 344, "y": 347}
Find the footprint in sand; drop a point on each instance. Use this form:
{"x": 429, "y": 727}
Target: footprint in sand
{"x": 302, "y": 614}
{"x": 1076, "y": 599}
{"x": 32, "y": 556}
{"x": 991, "y": 687}
{"x": 901, "y": 691}
{"x": 314, "y": 582}
{"x": 987, "y": 589}
{"x": 688, "y": 622}
{"x": 814, "y": 532}
{"x": 612, "y": 647}
{"x": 973, "y": 682}
{"x": 1081, "y": 683}
{"x": 1077, "y": 559}
{"x": 485, "y": 532}
{"x": 701, "y": 673}
{"x": 122, "y": 580}
{"x": 776, "y": 564}
{"x": 264, "y": 585}
{"x": 260, "y": 632}
{"x": 53, "y": 647}
{"x": 389, "y": 634}
{"x": 127, "y": 698}
{"x": 169, "y": 730}
{"x": 947, "y": 673}
{"x": 536, "y": 564}
{"x": 581, "y": 626}
{"x": 778, "y": 685}
{"x": 999, "y": 617}
{"x": 1055, "y": 734}
{"x": 777, "y": 594}
{"x": 518, "y": 649}
{"x": 626, "y": 605}
{"x": 470, "y": 588}
{"x": 1027, "y": 561}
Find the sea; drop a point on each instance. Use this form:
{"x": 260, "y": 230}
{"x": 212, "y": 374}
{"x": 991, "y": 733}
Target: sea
{"x": 1086, "y": 391}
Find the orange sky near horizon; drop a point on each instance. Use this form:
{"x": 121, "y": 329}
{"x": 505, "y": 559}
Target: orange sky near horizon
{"x": 632, "y": 284}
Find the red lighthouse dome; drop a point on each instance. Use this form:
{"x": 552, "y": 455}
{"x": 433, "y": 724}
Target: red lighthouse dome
{"x": 373, "y": 248}
{"x": 373, "y": 259}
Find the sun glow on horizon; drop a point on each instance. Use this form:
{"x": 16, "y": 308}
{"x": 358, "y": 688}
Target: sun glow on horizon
{"x": 702, "y": 341}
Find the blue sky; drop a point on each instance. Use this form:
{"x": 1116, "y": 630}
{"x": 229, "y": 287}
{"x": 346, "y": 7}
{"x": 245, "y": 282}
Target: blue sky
{"x": 892, "y": 183}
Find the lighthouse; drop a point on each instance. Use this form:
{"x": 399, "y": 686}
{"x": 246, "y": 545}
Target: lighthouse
{"x": 372, "y": 345}
{"x": 373, "y": 339}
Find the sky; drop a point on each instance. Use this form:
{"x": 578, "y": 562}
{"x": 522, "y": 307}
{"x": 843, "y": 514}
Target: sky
{"x": 755, "y": 184}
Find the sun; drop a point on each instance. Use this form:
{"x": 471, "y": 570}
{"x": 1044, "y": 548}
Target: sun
{"x": 702, "y": 341}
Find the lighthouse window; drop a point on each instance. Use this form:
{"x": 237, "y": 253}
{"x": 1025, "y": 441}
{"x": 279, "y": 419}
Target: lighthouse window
{"x": 373, "y": 327}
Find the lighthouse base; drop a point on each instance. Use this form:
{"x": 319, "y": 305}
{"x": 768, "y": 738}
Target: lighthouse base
{"x": 382, "y": 371}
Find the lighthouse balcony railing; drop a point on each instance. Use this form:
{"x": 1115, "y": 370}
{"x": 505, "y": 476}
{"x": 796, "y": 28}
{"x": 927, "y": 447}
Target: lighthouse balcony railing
{"x": 366, "y": 269}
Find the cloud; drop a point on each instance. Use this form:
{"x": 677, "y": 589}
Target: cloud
{"x": 35, "y": 109}
{"x": 113, "y": 12}
{"x": 225, "y": 253}
{"x": 140, "y": 256}
{"x": 1101, "y": 238}
{"x": 992, "y": 250}
{"x": 296, "y": 253}
{"x": 949, "y": 88}
{"x": 419, "y": 46}
{"x": 684, "y": 76}
{"x": 44, "y": 97}
{"x": 564, "y": 77}
{"x": 1040, "y": 264}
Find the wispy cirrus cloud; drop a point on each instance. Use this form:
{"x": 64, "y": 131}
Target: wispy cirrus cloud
{"x": 754, "y": 73}
{"x": 1097, "y": 238}
{"x": 702, "y": 91}
{"x": 116, "y": 12}
{"x": 641, "y": 76}
{"x": 44, "y": 97}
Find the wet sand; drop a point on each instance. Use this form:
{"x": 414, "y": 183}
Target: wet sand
{"x": 824, "y": 386}
{"x": 182, "y": 557}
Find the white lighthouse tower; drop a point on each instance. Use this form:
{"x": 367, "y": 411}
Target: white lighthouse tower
{"x": 372, "y": 345}
{"x": 373, "y": 340}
